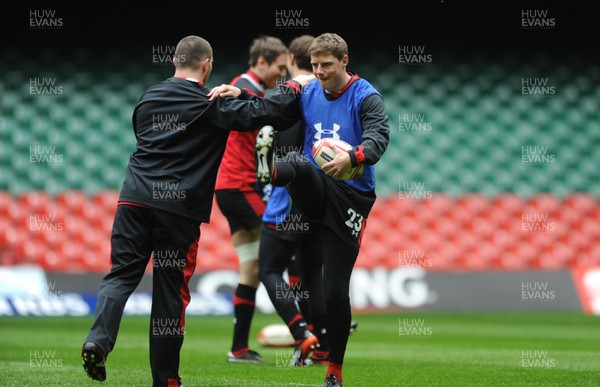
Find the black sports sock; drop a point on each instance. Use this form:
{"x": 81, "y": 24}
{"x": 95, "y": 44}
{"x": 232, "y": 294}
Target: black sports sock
{"x": 297, "y": 327}
{"x": 283, "y": 175}
{"x": 320, "y": 330}
{"x": 285, "y": 168}
{"x": 339, "y": 317}
{"x": 296, "y": 285}
{"x": 244, "y": 302}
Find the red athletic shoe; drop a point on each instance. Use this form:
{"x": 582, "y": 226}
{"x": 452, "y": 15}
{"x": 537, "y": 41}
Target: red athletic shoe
{"x": 303, "y": 349}
{"x": 320, "y": 357}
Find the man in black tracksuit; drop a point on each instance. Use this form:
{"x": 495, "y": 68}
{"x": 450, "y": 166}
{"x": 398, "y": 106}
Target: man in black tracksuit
{"x": 181, "y": 129}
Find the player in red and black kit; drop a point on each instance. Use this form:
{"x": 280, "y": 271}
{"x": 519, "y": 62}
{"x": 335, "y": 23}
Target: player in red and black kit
{"x": 239, "y": 196}
{"x": 181, "y": 130}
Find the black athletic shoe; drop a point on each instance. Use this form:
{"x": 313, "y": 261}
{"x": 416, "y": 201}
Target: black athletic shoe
{"x": 332, "y": 381}
{"x": 93, "y": 361}
{"x": 248, "y": 357}
{"x": 264, "y": 154}
{"x": 353, "y": 326}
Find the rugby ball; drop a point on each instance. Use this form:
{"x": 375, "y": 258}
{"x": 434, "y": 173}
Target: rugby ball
{"x": 275, "y": 336}
{"x": 323, "y": 152}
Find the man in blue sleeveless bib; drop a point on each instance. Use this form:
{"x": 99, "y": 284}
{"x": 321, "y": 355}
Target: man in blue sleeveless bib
{"x": 341, "y": 105}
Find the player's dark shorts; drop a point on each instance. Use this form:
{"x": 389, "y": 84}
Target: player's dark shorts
{"x": 293, "y": 229}
{"x": 242, "y": 208}
{"x": 346, "y": 210}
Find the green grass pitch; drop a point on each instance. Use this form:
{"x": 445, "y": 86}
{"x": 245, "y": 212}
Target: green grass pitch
{"x": 400, "y": 349}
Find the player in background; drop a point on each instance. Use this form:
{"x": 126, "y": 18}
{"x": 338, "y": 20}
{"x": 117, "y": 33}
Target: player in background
{"x": 181, "y": 132}
{"x": 241, "y": 199}
{"x": 344, "y": 106}
{"x": 286, "y": 233}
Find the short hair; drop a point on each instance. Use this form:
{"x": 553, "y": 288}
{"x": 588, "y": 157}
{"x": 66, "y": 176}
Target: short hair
{"x": 299, "y": 47}
{"x": 269, "y": 47}
{"x": 329, "y": 43}
{"x": 191, "y": 51}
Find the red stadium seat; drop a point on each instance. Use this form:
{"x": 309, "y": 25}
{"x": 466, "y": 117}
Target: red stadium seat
{"x": 28, "y": 251}
{"x": 545, "y": 203}
{"x": 34, "y": 200}
{"x": 508, "y": 203}
{"x": 96, "y": 257}
{"x": 581, "y": 203}
{"x": 480, "y": 258}
{"x": 106, "y": 200}
{"x": 445, "y": 257}
{"x": 9, "y": 240}
{"x": 473, "y": 203}
{"x": 95, "y": 260}
{"x": 7, "y": 205}
{"x": 52, "y": 261}
{"x": 72, "y": 202}
{"x": 374, "y": 253}
{"x": 440, "y": 204}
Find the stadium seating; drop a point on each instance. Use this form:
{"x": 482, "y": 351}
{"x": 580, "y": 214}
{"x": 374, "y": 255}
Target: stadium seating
{"x": 460, "y": 189}
{"x": 71, "y": 232}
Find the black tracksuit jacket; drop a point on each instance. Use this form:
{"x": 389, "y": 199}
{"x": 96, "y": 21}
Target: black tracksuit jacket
{"x": 181, "y": 138}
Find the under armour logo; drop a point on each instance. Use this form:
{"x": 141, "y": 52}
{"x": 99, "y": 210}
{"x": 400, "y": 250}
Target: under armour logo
{"x": 332, "y": 132}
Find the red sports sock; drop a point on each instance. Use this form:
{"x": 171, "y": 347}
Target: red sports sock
{"x": 240, "y": 352}
{"x": 294, "y": 280}
{"x": 335, "y": 369}
{"x": 319, "y": 353}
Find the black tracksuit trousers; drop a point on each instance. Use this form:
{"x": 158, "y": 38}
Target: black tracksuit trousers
{"x": 138, "y": 234}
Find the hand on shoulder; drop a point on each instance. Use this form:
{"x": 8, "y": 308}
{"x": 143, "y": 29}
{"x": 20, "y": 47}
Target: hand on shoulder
{"x": 304, "y": 79}
{"x": 224, "y": 91}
